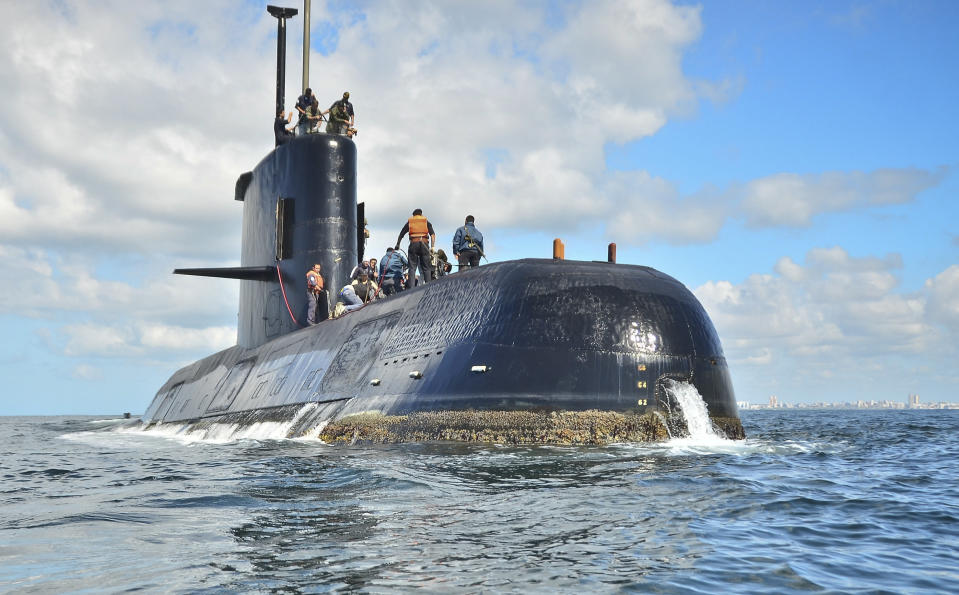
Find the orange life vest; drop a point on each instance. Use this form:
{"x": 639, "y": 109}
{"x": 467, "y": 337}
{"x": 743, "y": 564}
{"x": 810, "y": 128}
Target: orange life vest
{"x": 418, "y": 229}
{"x": 317, "y": 282}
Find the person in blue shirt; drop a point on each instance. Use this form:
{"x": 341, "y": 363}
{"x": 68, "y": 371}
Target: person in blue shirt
{"x": 468, "y": 244}
{"x": 391, "y": 270}
{"x": 303, "y": 103}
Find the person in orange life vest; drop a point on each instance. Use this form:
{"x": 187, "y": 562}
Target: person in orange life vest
{"x": 422, "y": 240}
{"x": 317, "y": 304}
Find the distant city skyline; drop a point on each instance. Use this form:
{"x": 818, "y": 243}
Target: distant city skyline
{"x": 912, "y": 401}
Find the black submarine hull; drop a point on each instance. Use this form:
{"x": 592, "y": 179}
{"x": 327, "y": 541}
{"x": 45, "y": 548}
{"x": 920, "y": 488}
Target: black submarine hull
{"x": 548, "y": 343}
{"x": 529, "y": 335}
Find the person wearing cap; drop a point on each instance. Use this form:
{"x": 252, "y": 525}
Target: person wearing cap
{"x": 341, "y": 116}
{"x": 360, "y": 268}
{"x": 422, "y": 242}
{"x": 303, "y": 103}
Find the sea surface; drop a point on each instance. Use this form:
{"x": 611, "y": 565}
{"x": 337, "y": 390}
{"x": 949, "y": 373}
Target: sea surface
{"x": 856, "y": 501}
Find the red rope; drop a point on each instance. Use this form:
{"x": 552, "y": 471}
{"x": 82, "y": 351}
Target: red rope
{"x": 287, "y": 302}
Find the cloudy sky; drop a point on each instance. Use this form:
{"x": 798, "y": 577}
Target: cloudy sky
{"x": 793, "y": 163}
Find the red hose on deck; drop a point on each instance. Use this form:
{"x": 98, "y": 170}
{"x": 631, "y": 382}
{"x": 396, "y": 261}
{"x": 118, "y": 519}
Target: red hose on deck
{"x": 285, "y": 301}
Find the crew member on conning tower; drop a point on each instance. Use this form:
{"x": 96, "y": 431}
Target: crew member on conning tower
{"x": 341, "y": 116}
{"x": 281, "y": 133}
{"x": 420, "y": 230}
{"x": 303, "y": 103}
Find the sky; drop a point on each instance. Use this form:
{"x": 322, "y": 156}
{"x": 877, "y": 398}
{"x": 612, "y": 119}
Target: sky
{"x": 794, "y": 164}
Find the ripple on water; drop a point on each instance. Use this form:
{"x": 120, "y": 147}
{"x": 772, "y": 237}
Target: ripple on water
{"x": 832, "y": 501}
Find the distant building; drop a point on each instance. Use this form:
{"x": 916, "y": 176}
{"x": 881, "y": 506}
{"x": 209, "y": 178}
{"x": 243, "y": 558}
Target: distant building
{"x": 773, "y": 401}
{"x": 913, "y": 401}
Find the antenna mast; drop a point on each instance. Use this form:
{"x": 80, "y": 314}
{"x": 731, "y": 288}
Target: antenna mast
{"x": 281, "y": 15}
{"x": 306, "y": 44}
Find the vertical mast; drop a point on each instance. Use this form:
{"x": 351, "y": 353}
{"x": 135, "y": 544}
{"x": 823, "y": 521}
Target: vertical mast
{"x": 281, "y": 15}
{"x": 306, "y": 44}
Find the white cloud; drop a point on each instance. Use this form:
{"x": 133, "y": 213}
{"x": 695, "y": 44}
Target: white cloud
{"x": 139, "y": 154}
{"x": 451, "y": 86}
{"x": 943, "y": 291}
{"x": 136, "y": 340}
{"x": 98, "y": 340}
{"x": 793, "y": 200}
{"x": 179, "y": 338}
{"x": 646, "y": 208}
{"x": 834, "y": 316}
{"x": 44, "y": 284}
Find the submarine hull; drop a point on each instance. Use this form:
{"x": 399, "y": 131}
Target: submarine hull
{"x": 539, "y": 336}
{"x": 538, "y": 349}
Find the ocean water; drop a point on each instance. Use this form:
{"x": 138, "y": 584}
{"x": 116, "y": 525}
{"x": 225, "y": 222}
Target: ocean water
{"x": 813, "y": 501}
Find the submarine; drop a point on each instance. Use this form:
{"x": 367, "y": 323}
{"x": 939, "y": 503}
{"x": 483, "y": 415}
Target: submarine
{"x": 529, "y": 351}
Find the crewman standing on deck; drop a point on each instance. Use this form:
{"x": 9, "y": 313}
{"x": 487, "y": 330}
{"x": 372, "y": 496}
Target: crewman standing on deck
{"x": 468, "y": 244}
{"x": 317, "y": 304}
{"x": 422, "y": 241}
{"x": 392, "y": 266}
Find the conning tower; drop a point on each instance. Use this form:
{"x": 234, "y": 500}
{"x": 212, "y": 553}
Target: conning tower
{"x": 291, "y": 221}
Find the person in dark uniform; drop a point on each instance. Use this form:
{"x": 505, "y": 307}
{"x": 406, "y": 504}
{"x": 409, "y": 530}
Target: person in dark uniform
{"x": 468, "y": 244}
{"x": 365, "y": 288}
{"x": 441, "y": 264}
{"x": 338, "y": 121}
{"x": 422, "y": 241}
{"x": 280, "y": 132}
{"x": 361, "y": 268}
{"x": 347, "y": 107}
{"x": 303, "y": 103}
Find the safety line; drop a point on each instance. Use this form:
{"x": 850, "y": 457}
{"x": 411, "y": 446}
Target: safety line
{"x": 287, "y": 302}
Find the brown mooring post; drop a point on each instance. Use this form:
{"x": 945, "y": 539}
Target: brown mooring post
{"x": 559, "y": 250}
{"x": 611, "y": 253}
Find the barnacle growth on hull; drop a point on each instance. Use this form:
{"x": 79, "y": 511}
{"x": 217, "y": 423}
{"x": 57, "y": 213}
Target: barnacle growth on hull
{"x": 508, "y": 427}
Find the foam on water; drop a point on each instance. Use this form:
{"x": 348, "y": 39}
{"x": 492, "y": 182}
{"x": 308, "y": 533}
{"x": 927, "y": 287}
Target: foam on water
{"x": 700, "y": 436}
{"x": 693, "y": 409}
{"x": 84, "y": 506}
{"x": 110, "y": 421}
{"x": 224, "y": 433}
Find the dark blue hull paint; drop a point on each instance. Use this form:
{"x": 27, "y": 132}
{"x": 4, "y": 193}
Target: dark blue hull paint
{"x": 548, "y": 335}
